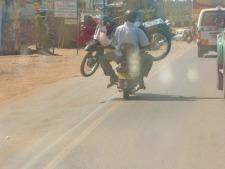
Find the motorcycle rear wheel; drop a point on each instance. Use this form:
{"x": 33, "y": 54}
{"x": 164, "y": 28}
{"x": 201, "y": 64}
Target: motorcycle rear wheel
{"x": 89, "y": 64}
{"x": 160, "y": 45}
{"x": 126, "y": 94}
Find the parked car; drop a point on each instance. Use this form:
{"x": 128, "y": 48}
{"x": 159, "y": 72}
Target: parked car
{"x": 221, "y": 61}
{"x": 211, "y": 22}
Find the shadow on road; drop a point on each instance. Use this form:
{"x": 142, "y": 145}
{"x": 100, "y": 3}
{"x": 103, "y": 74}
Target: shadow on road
{"x": 158, "y": 97}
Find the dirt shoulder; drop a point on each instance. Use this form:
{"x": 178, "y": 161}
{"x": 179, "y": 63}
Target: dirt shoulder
{"x": 21, "y": 74}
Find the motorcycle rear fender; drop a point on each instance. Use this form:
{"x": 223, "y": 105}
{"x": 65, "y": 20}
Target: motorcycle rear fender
{"x": 124, "y": 84}
{"x": 127, "y": 84}
{"x": 91, "y": 46}
{"x": 170, "y": 35}
{"x": 166, "y": 31}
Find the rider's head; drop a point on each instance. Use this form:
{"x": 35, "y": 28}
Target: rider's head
{"x": 130, "y": 16}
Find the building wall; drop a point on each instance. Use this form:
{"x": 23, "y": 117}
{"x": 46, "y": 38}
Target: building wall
{"x": 17, "y": 25}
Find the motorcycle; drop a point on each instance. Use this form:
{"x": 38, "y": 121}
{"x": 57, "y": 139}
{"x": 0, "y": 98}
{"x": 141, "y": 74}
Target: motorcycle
{"x": 96, "y": 46}
{"x": 158, "y": 32}
{"x": 189, "y": 38}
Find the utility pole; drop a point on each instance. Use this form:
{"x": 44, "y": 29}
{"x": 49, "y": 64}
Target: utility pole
{"x": 161, "y": 8}
{"x": 76, "y": 3}
{"x": 104, "y": 6}
{"x": 92, "y": 4}
{"x": 140, "y": 4}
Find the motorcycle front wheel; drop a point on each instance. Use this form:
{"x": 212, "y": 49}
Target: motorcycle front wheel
{"x": 160, "y": 45}
{"x": 89, "y": 64}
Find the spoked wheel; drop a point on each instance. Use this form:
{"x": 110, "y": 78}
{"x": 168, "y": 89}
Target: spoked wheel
{"x": 126, "y": 94}
{"x": 89, "y": 64}
{"x": 160, "y": 45}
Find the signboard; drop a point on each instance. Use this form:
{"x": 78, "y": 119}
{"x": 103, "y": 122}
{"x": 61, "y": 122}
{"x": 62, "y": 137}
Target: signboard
{"x": 65, "y": 8}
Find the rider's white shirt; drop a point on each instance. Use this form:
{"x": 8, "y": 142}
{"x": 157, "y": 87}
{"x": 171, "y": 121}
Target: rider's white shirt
{"x": 129, "y": 33}
{"x": 101, "y": 35}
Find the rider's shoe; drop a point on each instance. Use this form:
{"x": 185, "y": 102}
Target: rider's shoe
{"x": 141, "y": 86}
{"x": 113, "y": 81}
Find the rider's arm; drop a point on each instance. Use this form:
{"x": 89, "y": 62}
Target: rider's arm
{"x": 143, "y": 40}
{"x": 115, "y": 37}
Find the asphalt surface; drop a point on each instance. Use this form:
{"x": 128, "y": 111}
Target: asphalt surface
{"x": 177, "y": 123}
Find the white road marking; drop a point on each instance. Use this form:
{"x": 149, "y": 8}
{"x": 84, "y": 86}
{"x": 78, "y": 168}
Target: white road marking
{"x": 71, "y": 130}
{"x": 76, "y": 142}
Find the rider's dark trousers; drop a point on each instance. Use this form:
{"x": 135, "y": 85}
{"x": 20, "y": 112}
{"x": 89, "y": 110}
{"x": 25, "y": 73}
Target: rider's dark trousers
{"x": 105, "y": 63}
{"x": 146, "y": 62}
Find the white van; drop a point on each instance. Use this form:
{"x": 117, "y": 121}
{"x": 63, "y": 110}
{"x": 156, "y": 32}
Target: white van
{"x": 210, "y": 23}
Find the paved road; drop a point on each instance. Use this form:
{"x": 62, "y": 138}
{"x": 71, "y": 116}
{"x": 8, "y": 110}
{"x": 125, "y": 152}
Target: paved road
{"x": 177, "y": 123}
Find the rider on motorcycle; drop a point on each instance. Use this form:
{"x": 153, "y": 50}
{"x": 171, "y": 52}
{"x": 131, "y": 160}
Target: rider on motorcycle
{"x": 127, "y": 33}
